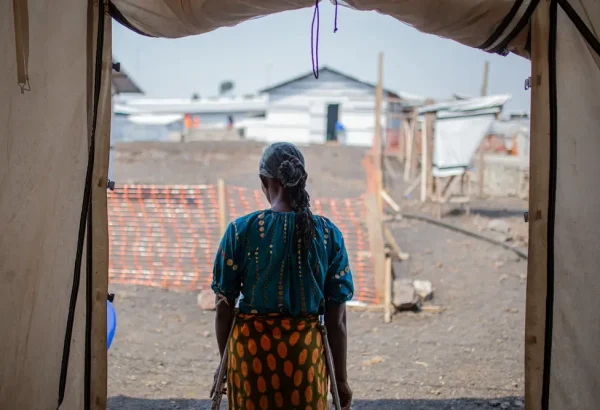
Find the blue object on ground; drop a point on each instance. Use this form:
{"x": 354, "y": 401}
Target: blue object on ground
{"x": 111, "y": 324}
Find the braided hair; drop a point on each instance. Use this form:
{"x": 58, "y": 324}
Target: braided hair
{"x": 285, "y": 163}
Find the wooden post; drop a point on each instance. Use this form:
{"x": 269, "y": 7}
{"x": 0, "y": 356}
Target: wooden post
{"x": 415, "y": 132}
{"x": 387, "y": 303}
{"x": 401, "y": 138}
{"x": 378, "y": 102}
{"x": 222, "y": 201}
{"x": 376, "y": 243}
{"x": 378, "y": 140}
{"x": 537, "y": 266}
{"x": 484, "y": 84}
{"x": 429, "y": 124}
{"x": 99, "y": 220}
{"x": 481, "y": 169}
{"x": 481, "y": 154}
{"x": 424, "y": 162}
{"x": 410, "y": 135}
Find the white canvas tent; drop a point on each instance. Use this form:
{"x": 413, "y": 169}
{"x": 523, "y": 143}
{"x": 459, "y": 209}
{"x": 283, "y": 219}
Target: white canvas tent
{"x": 53, "y": 49}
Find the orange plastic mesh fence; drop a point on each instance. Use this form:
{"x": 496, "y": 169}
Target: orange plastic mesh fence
{"x": 167, "y": 236}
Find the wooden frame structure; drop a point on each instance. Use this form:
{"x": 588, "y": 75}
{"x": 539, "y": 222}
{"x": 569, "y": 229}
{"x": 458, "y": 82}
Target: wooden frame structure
{"x": 443, "y": 192}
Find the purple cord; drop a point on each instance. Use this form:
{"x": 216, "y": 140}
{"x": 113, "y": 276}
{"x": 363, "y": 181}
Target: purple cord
{"x": 335, "y": 27}
{"x": 315, "y": 45}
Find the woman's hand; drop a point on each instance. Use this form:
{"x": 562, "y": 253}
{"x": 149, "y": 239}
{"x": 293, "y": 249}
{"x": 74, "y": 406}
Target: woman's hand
{"x": 345, "y": 395}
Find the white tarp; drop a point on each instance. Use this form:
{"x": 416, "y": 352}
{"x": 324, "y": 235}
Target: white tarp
{"x": 455, "y": 142}
{"x": 470, "y": 22}
{"x": 490, "y": 102}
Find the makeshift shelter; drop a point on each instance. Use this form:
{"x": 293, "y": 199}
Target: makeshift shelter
{"x": 55, "y": 104}
{"x": 458, "y": 130}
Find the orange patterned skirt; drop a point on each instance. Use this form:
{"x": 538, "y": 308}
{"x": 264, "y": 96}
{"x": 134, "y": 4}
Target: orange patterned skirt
{"x": 276, "y": 363}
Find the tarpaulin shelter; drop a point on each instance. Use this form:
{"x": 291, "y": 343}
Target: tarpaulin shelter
{"x": 54, "y": 134}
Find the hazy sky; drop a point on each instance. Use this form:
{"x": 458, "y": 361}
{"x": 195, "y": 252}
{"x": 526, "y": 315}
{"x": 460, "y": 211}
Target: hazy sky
{"x": 276, "y": 48}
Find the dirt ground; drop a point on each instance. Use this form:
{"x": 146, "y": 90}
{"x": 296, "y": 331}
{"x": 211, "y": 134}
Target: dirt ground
{"x": 334, "y": 172}
{"x": 468, "y": 356}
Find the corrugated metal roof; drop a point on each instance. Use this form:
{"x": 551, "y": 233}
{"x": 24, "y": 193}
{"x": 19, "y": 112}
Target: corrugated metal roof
{"x": 473, "y": 104}
{"x": 322, "y": 70}
{"x": 189, "y": 106}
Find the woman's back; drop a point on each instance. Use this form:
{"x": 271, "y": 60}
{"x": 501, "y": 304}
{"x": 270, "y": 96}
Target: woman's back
{"x": 288, "y": 265}
{"x": 260, "y": 258}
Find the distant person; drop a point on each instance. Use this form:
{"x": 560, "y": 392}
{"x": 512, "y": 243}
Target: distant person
{"x": 290, "y": 266}
{"x": 340, "y": 132}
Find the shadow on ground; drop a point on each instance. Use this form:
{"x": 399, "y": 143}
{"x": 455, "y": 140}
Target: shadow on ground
{"x": 489, "y": 213}
{"x": 511, "y": 403}
{"x": 499, "y": 213}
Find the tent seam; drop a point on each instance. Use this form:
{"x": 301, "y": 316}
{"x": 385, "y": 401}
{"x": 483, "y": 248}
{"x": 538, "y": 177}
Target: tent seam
{"x": 503, "y": 25}
{"x": 553, "y": 89}
{"x": 525, "y": 19}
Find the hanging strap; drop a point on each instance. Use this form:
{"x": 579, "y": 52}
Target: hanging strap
{"x": 21, "y": 17}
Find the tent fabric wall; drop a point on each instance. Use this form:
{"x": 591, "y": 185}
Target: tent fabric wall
{"x": 563, "y": 326}
{"x": 470, "y": 22}
{"x": 44, "y": 139}
{"x": 42, "y": 172}
{"x": 575, "y": 356}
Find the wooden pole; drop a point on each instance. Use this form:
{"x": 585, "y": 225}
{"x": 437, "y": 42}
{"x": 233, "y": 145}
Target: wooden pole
{"x": 99, "y": 222}
{"x": 424, "y": 162}
{"x": 378, "y": 139}
{"x": 387, "y": 234}
{"x": 387, "y": 303}
{"x": 481, "y": 156}
{"x": 411, "y": 162}
{"x": 378, "y": 102}
{"x": 429, "y": 124}
{"x": 537, "y": 267}
{"x": 486, "y": 73}
{"x": 408, "y": 131}
{"x": 222, "y": 201}
{"x": 376, "y": 243}
{"x": 401, "y": 138}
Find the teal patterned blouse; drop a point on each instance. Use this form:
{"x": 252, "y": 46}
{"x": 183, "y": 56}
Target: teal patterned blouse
{"x": 259, "y": 259}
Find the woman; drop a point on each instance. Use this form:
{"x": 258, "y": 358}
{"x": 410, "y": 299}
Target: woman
{"x": 287, "y": 266}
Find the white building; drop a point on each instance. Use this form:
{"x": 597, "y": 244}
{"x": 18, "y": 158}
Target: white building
{"x": 306, "y": 110}
{"x": 303, "y": 110}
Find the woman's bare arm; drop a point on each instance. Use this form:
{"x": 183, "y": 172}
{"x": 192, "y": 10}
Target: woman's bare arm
{"x": 335, "y": 321}
{"x": 223, "y": 321}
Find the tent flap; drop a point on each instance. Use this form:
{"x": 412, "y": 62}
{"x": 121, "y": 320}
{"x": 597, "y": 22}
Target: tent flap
{"x": 181, "y": 18}
{"x": 574, "y": 366}
{"x": 470, "y": 22}
{"x": 493, "y": 25}
{"x": 43, "y": 135}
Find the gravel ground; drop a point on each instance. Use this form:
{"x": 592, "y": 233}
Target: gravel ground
{"x": 469, "y": 356}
